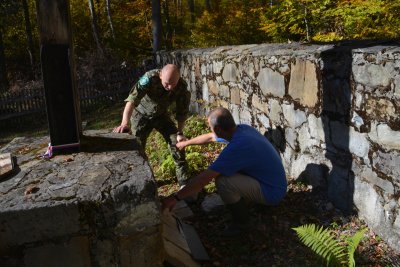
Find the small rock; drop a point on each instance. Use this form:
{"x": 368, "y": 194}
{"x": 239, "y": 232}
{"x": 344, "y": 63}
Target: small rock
{"x": 212, "y": 202}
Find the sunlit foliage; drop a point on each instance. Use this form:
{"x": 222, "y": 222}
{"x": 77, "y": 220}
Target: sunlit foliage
{"x": 227, "y": 22}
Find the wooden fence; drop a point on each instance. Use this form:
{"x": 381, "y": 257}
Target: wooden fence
{"x": 29, "y": 104}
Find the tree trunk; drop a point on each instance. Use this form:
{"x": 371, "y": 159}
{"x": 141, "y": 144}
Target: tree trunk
{"x": 191, "y": 10}
{"x": 208, "y": 5}
{"x": 95, "y": 27}
{"x": 156, "y": 24}
{"x": 3, "y": 71}
{"x": 28, "y": 29}
{"x": 110, "y": 23}
{"x": 306, "y": 24}
{"x": 168, "y": 34}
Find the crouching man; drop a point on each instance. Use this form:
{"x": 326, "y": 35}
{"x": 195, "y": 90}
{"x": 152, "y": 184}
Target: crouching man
{"x": 248, "y": 169}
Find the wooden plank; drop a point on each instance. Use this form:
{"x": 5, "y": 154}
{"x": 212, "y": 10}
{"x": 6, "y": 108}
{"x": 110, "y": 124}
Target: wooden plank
{"x": 168, "y": 220}
{"x": 58, "y": 87}
{"x": 181, "y": 210}
{"x": 6, "y": 164}
{"x": 193, "y": 240}
{"x": 180, "y": 237}
{"x": 177, "y": 256}
{"x": 58, "y": 71}
{"x": 173, "y": 235}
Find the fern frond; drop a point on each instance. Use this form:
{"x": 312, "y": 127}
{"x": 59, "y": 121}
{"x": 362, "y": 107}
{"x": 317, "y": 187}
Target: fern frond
{"x": 321, "y": 242}
{"x": 352, "y": 243}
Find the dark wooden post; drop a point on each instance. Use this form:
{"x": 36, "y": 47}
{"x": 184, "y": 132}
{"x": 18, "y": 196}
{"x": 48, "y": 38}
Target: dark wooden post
{"x": 58, "y": 70}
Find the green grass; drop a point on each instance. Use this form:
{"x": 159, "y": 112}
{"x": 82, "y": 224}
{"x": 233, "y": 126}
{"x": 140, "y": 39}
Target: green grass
{"x": 198, "y": 157}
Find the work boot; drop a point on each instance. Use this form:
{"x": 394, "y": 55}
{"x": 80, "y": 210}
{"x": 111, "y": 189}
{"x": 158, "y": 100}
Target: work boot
{"x": 240, "y": 219}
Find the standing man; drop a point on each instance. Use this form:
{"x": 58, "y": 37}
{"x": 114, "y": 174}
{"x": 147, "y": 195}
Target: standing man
{"x": 147, "y": 109}
{"x": 248, "y": 168}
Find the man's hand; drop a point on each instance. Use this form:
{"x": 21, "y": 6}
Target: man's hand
{"x": 168, "y": 203}
{"x": 180, "y": 138}
{"x": 181, "y": 145}
{"x": 122, "y": 129}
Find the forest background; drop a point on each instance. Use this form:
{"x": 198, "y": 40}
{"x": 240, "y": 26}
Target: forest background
{"x": 130, "y": 30}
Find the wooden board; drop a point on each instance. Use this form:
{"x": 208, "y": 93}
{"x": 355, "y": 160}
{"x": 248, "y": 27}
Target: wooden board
{"x": 6, "y": 164}
{"x": 181, "y": 243}
{"x": 177, "y": 256}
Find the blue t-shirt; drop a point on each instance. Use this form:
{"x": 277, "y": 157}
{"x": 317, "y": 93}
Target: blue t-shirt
{"x": 250, "y": 153}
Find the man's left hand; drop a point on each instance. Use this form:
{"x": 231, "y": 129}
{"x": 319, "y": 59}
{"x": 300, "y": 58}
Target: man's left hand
{"x": 168, "y": 203}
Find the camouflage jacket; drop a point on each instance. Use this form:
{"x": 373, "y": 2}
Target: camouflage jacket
{"x": 151, "y": 99}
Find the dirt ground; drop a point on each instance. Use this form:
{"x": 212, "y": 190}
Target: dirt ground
{"x": 272, "y": 242}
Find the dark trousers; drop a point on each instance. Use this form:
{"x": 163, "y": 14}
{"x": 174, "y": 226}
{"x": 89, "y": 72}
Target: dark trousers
{"x": 143, "y": 125}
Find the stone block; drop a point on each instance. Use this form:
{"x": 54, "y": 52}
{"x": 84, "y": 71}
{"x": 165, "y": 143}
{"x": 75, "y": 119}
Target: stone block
{"x": 358, "y": 143}
{"x": 235, "y": 96}
{"x": 17, "y": 228}
{"x": 380, "y": 109}
{"x": 224, "y": 91}
{"x": 263, "y": 120}
{"x": 217, "y": 66}
{"x": 275, "y": 111}
{"x": 205, "y": 93}
{"x": 372, "y": 75}
{"x": 245, "y": 117}
{"x": 235, "y": 112}
{"x": 230, "y": 73}
{"x": 244, "y": 98}
{"x": 303, "y": 85}
{"x": 382, "y": 134}
{"x": 291, "y": 137}
{"x": 213, "y": 87}
{"x": 294, "y": 118}
{"x": 141, "y": 250}
{"x": 396, "y": 85}
{"x": 271, "y": 82}
{"x": 316, "y": 128}
{"x": 141, "y": 217}
{"x": 74, "y": 252}
{"x": 369, "y": 203}
{"x": 258, "y": 104}
{"x": 204, "y": 70}
{"x": 305, "y": 141}
{"x": 387, "y": 163}
{"x": 105, "y": 253}
{"x": 299, "y": 164}
{"x": 51, "y": 208}
{"x": 366, "y": 173}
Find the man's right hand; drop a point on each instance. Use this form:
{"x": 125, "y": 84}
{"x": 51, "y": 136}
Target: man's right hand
{"x": 122, "y": 129}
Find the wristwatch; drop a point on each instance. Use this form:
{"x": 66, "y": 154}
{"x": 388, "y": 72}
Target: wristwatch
{"x": 175, "y": 195}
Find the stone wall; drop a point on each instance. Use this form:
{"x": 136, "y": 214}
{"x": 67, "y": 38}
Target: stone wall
{"x": 331, "y": 110}
{"x": 94, "y": 208}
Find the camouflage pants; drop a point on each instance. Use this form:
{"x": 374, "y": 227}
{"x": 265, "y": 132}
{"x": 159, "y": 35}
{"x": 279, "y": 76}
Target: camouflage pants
{"x": 143, "y": 125}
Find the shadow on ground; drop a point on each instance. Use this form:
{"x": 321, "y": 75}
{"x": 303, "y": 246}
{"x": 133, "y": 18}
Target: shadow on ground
{"x": 272, "y": 242}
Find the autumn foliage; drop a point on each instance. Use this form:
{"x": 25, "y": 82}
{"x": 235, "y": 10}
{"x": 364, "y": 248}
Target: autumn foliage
{"x": 124, "y": 27}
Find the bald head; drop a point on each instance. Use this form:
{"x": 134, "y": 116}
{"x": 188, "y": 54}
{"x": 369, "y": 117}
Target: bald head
{"x": 221, "y": 118}
{"x": 169, "y": 76}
